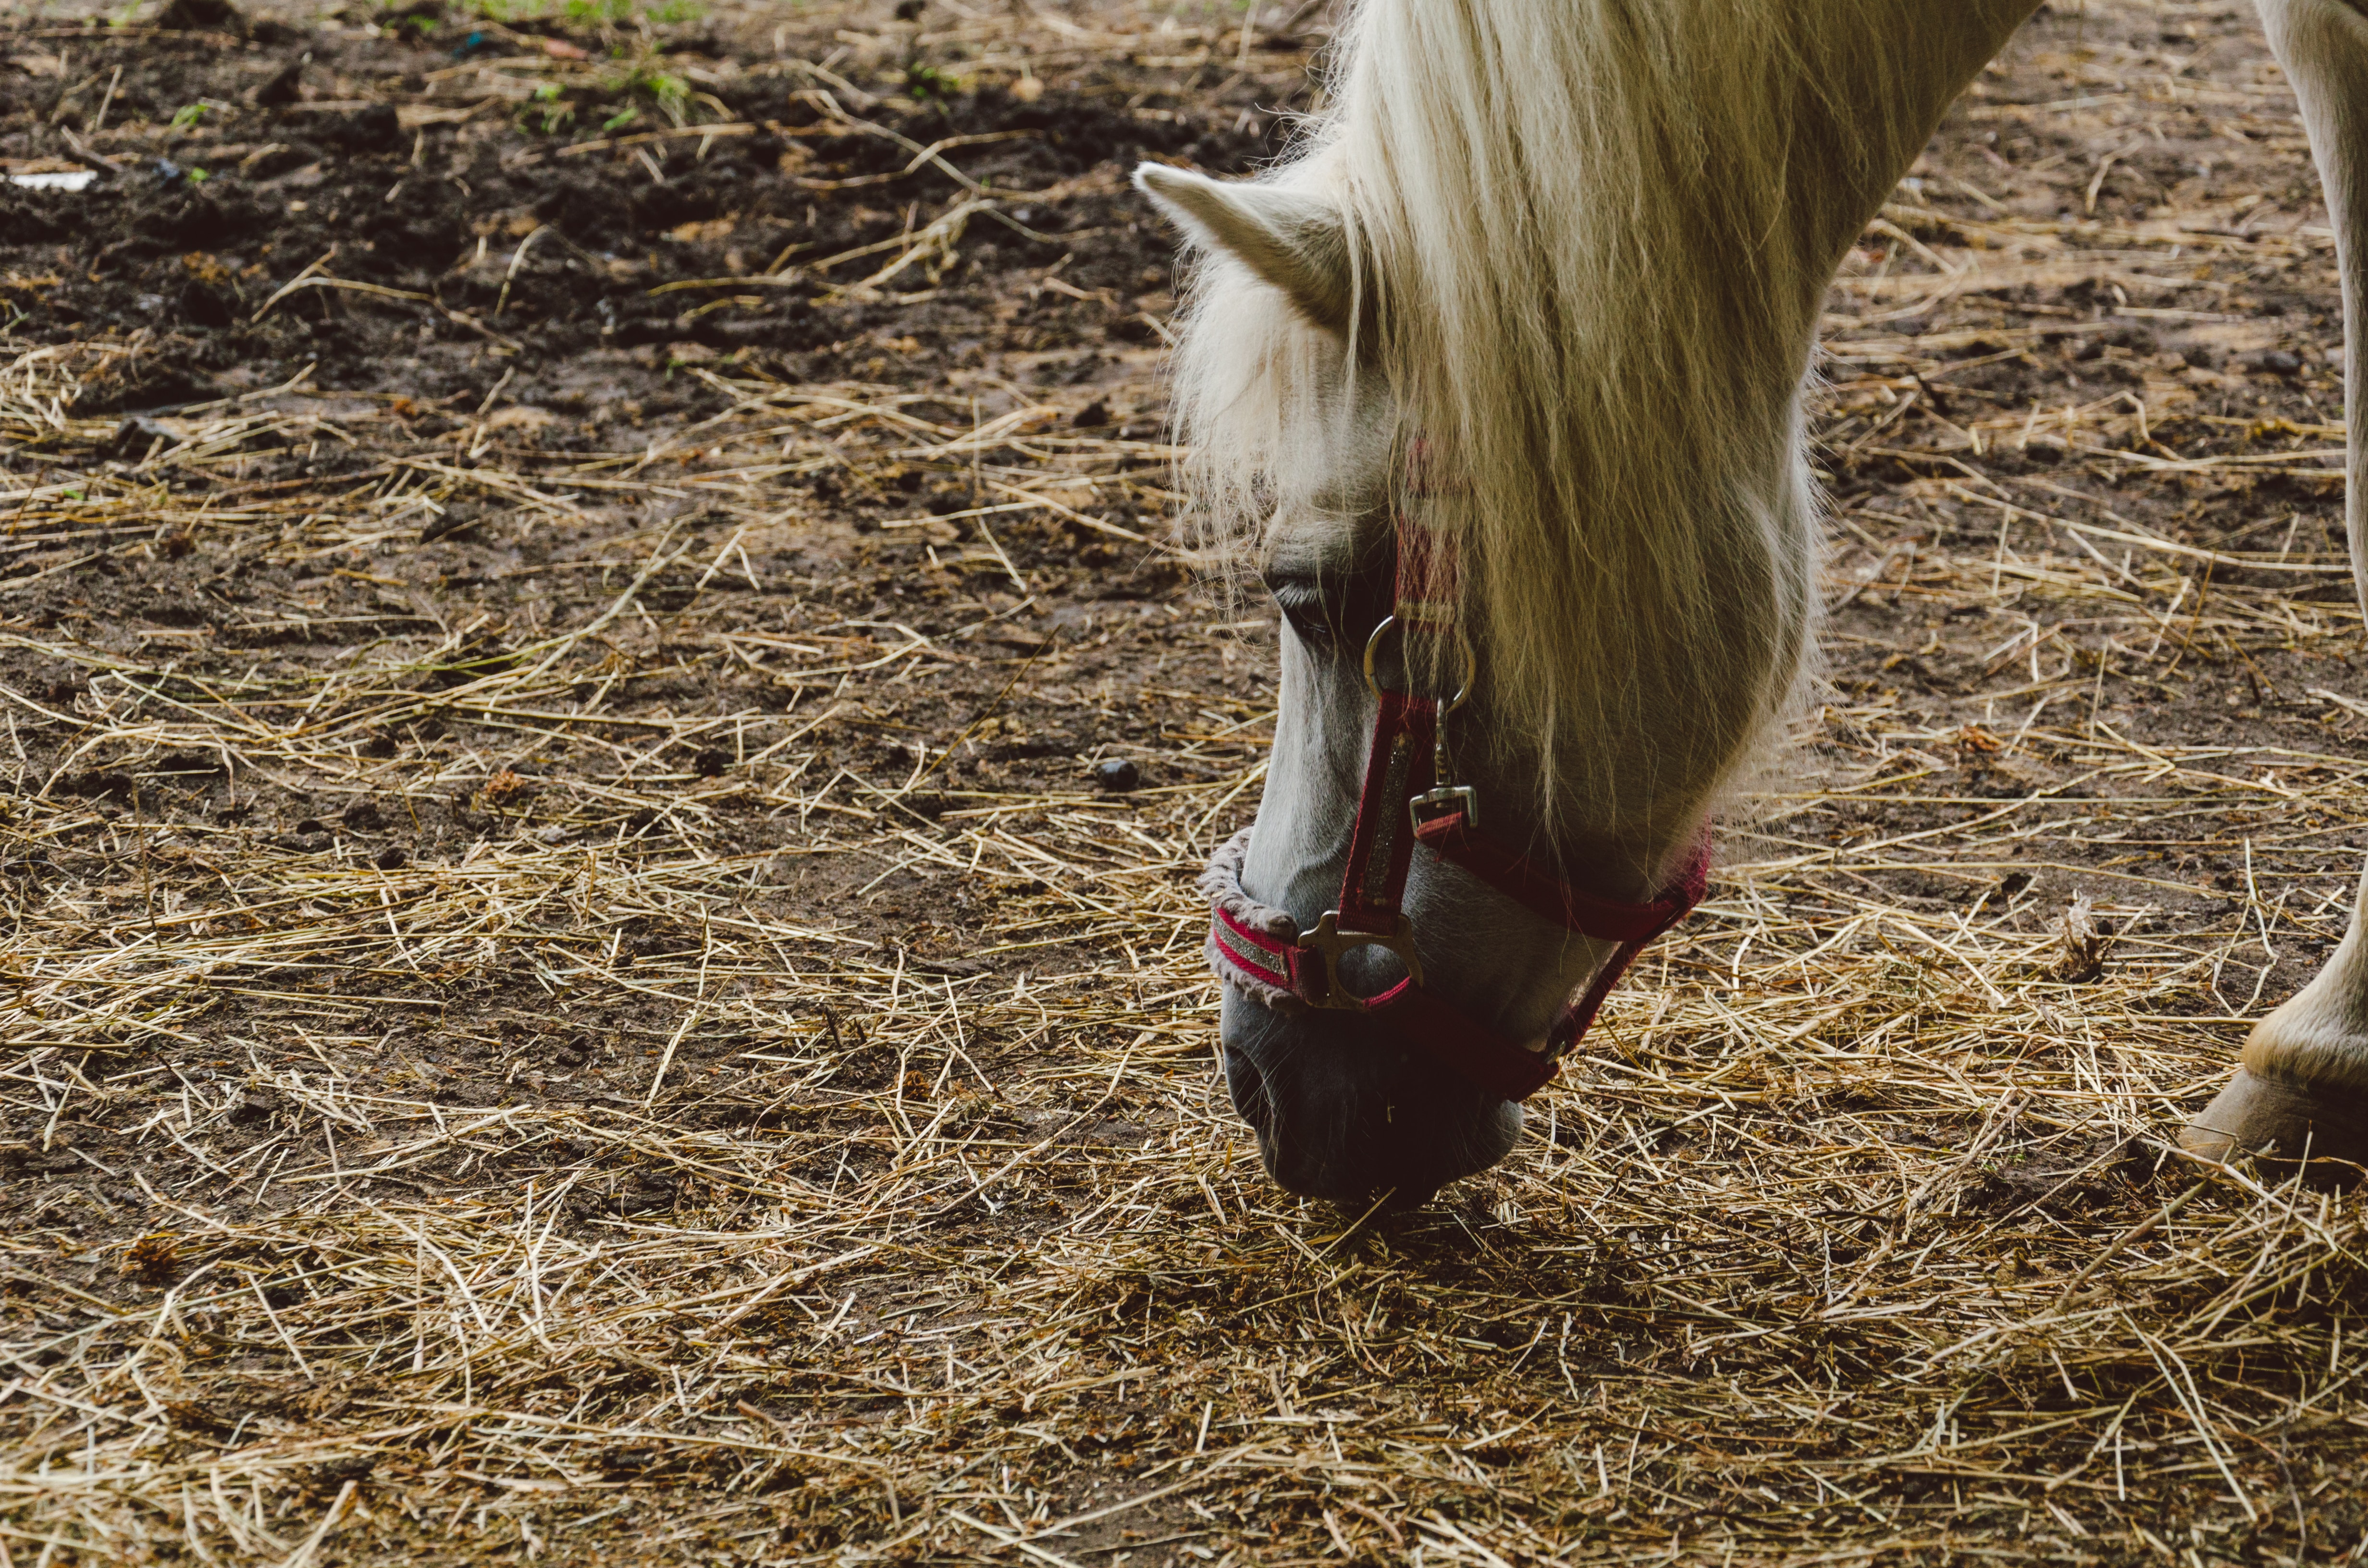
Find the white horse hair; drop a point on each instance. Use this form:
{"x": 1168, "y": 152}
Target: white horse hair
{"x": 1578, "y": 247}
{"x": 1582, "y": 247}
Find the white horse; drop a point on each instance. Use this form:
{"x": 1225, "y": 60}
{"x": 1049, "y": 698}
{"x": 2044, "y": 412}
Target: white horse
{"x": 1531, "y": 309}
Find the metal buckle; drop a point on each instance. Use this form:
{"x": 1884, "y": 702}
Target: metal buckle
{"x": 1439, "y": 802}
{"x": 1328, "y": 939}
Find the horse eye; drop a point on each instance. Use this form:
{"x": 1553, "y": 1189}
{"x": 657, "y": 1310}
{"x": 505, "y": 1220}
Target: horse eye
{"x": 1303, "y": 605}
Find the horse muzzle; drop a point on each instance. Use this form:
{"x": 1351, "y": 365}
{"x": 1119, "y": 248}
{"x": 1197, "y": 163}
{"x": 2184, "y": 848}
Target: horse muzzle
{"x": 1346, "y": 1113}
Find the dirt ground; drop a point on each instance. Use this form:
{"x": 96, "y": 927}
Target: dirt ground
{"x": 609, "y": 723}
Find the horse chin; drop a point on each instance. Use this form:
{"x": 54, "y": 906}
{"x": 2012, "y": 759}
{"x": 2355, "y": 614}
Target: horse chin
{"x": 1346, "y": 1113}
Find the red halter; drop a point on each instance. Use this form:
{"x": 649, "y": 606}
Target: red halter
{"x": 1409, "y": 796}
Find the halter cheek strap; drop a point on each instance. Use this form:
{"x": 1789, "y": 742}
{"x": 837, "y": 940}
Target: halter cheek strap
{"x": 1405, "y": 801}
{"x": 1633, "y": 926}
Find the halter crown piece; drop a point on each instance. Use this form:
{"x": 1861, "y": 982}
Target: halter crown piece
{"x": 1410, "y": 797}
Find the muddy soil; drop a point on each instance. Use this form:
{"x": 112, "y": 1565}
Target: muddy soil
{"x": 410, "y": 157}
{"x": 527, "y": 277}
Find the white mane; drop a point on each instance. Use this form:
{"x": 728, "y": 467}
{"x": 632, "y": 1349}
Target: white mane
{"x": 1590, "y": 240}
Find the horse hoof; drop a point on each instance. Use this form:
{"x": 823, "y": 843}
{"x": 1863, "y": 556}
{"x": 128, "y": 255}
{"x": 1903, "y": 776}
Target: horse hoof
{"x": 2284, "y": 1125}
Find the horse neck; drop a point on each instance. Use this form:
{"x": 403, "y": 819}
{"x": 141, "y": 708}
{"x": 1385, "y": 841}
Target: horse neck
{"x": 1885, "y": 71}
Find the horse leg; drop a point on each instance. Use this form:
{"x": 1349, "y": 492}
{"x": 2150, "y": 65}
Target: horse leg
{"x": 2303, "y": 1088}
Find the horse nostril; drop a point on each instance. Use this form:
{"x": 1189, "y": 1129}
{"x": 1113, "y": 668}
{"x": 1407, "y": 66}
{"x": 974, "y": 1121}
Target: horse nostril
{"x": 1247, "y": 1087}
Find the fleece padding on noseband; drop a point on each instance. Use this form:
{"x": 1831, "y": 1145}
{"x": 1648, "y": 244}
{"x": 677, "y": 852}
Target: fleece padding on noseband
{"x": 1220, "y": 884}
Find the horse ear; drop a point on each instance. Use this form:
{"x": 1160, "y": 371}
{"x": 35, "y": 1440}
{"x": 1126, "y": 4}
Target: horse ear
{"x": 1295, "y": 242}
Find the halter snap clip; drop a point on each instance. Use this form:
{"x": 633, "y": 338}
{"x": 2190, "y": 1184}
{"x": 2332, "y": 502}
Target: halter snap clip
{"x": 1445, "y": 797}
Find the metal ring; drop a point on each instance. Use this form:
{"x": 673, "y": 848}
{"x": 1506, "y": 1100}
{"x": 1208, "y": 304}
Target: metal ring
{"x": 1470, "y": 665}
{"x": 1372, "y": 645}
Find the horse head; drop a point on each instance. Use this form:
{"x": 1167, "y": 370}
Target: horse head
{"x": 1414, "y": 929}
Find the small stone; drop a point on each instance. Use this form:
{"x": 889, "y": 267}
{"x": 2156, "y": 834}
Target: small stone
{"x": 200, "y": 15}
{"x": 1117, "y": 774}
{"x": 135, "y": 435}
{"x": 285, "y": 86}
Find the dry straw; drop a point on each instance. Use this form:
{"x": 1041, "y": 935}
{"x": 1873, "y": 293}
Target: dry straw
{"x": 1855, "y": 1238}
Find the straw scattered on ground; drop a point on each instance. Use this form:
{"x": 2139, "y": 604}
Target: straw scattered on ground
{"x": 686, "y": 1065}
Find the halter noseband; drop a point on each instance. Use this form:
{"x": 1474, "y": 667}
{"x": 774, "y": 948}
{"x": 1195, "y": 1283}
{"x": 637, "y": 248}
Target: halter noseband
{"x": 1410, "y": 796}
